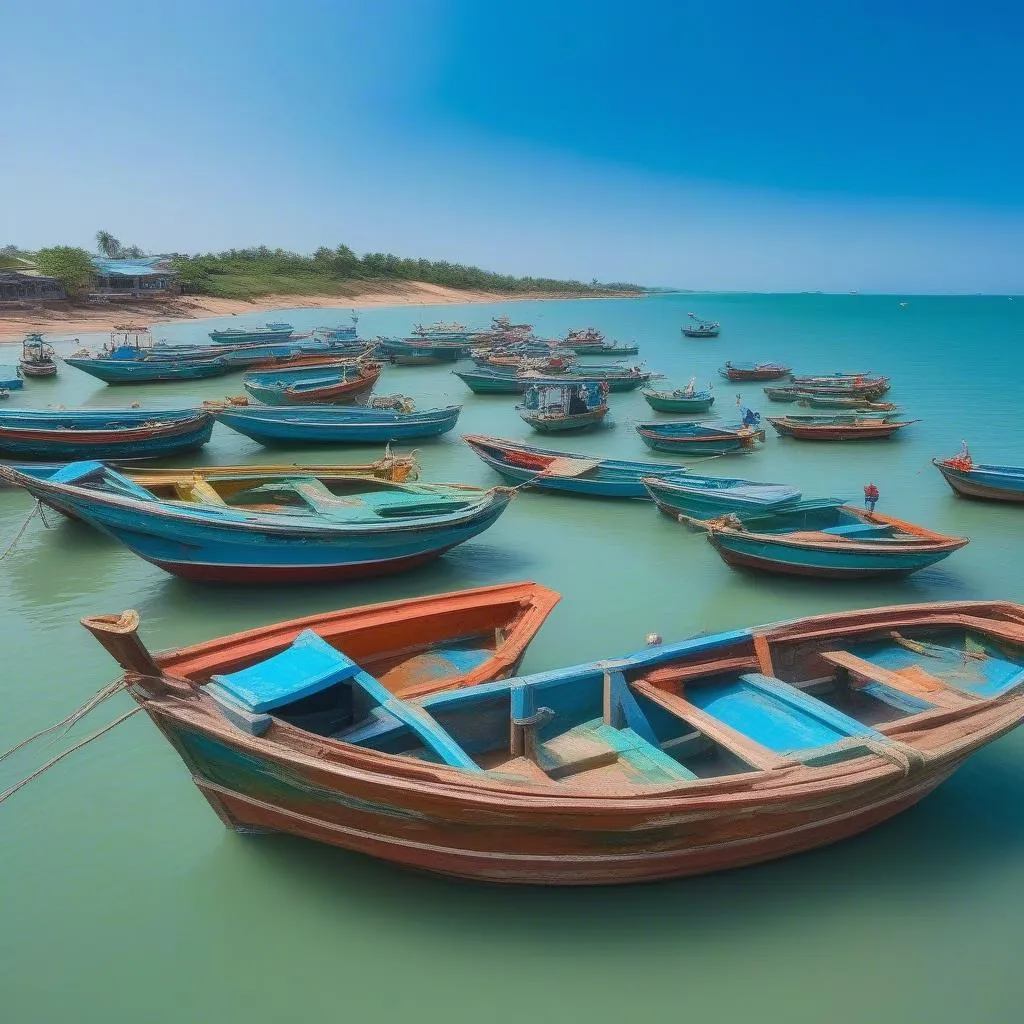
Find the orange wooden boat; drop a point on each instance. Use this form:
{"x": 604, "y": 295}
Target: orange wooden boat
{"x": 713, "y": 753}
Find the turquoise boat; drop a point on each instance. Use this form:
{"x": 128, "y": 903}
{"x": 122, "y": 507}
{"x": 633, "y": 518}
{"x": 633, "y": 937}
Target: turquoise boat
{"x": 495, "y": 382}
{"x": 275, "y": 331}
{"x": 329, "y": 383}
{"x": 708, "y": 497}
{"x": 566, "y": 472}
{"x": 423, "y": 351}
{"x": 684, "y": 438}
{"x": 337, "y": 424}
{"x": 295, "y": 530}
{"x": 679, "y": 400}
{"x": 10, "y": 378}
{"x": 983, "y": 480}
{"x": 828, "y": 540}
{"x": 563, "y": 407}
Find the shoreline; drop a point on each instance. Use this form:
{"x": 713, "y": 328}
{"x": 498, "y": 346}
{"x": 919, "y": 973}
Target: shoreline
{"x": 69, "y": 318}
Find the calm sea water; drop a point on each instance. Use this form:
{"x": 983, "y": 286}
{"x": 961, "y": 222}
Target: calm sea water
{"x": 123, "y": 898}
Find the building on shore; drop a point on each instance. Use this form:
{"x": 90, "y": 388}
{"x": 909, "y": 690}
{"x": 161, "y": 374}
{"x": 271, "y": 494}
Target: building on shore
{"x": 142, "y": 277}
{"x": 16, "y": 286}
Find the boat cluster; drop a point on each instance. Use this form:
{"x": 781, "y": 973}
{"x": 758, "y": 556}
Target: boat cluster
{"x": 403, "y": 730}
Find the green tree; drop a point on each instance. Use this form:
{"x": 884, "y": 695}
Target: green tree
{"x": 107, "y": 245}
{"x": 72, "y": 267}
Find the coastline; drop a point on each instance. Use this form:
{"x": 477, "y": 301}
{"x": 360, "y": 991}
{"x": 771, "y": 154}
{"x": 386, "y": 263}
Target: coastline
{"x": 86, "y": 317}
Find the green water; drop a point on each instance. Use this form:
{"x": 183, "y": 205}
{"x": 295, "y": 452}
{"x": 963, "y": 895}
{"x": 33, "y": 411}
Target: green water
{"x": 122, "y": 898}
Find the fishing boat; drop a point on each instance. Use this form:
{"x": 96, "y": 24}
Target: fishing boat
{"x": 440, "y": 331}
{"x": 326, "y": 383}
{"x": 852, "y": 427}
{"x": 844, "y": 384}
{"x": 275, "y": 331}
{"x": 37, "y": 357}
{"x": 753, "y": 371}
{"x": 600, "y": 348}
{"x": 684, "y": 438}
{"x": 811, "y": 400}
{"x": 784, "y": 394}
{"x": 701, "y": 328}
{"x": 556, "y": 408}
{"x": 375, "y": 730}
{"x": 971, "y": 479}
{"x": 333, "y": 424}
{"x": 10, "y": 378}
{"x": 347, "y": 332}
{"x": 828, "y": 539}
{"x": 102, "y": 433}
{"x": 708, "y": 497}
{"x": 566, "y": 472}
{"x": 425, "y": 352}
{"x": 679, "y": 400}
{"x": 295, "y": 530}
{"x": 148, "y": 371}
{"x": 492, "y": 381}
{"x": 514, "y": 363}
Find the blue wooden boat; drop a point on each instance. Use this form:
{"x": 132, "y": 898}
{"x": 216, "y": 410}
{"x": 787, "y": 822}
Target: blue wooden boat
{"x": 148, "y": 371}
{"x": 566, "y": 472}
{"x": 679, "y": 400}
{"x": 313, "y": 533}
{"x": 330, "y": 424}
{"x": 971, "y": 479}
{"x": 742, "y": 372}
{"x": 274, "y": 331}
{"x": 708, "y": 497}
{"x": 423, "y": 351}
{"x": 494, "y": 381}
{"x": 102, "y": 433}
{"x": 327, "y": 383}
{"x": 826, "y": 539}
{"x": 707, "y": 754}
{"x": 10, "y": 378}
{"x": 700, "y": 328}
{"x": 558, "y": 408}
{"x": 685, "y": 438}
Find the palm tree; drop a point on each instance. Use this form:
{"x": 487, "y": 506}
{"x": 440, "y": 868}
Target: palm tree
{"x": 107, "y": 245}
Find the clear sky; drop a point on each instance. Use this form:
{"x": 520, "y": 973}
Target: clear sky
{"x": 715, "y": 144}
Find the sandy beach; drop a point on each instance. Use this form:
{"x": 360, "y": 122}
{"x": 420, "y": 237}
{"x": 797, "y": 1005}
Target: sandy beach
{"x": 83, "y": 317}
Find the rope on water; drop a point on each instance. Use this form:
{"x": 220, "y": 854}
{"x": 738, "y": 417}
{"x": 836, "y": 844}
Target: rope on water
{"x": 37, "y": 510}
{"x": 10, "y": 791}
{"x": 77, "y": 715}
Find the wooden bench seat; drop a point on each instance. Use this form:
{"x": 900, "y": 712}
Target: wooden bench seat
{"x": 915, "y": 680}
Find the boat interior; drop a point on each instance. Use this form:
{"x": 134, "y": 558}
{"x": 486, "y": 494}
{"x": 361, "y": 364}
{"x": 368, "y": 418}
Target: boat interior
{"x": 339, "y": 498}
{"x": 703, "y": 709}
{"x": 828, "y": 519}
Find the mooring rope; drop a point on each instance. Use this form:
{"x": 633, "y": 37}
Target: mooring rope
{"x": 9, "y": 792}
{"x": 37, "y": 510}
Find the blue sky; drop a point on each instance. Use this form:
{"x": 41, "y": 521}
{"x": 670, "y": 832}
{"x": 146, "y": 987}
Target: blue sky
{"x": 726, "y": 144}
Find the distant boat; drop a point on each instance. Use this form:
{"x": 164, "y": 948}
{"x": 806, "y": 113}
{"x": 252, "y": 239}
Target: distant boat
{"x": 325, "y": 383}
{"x": 424, "y": 351}
{"x": 274, "y": 331}
{"x": 699, "y": 439}
{"x": 553, "y": 408}
{"x": 754, "y": 371}
{"x": 102, "y": 433}
{"x": 491, "y": 381}
{"x": 701, "y": 328}
{"x": 679, "y": 400}
{"x": 567, "y": 472}
{"x": 37, "y": 357}
{"x": 829, "y": 540}
{"x": 983, "y": 480}
{"x": 707, "y": 497}
{"x": 850, "y": 427}
{"x": 336, "y": 424}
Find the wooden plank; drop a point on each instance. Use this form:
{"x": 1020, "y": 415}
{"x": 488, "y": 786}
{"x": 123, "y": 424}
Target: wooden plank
{"x": 666, "y": 677}
{"x": 735, "y": 742}
{"x": 764, "y": 654}
{"x": 917, "y": 684}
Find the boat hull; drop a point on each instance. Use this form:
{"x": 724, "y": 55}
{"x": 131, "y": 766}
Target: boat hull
{"x": 837, "y": 432}
{"x": 723, "y": 444}
{"x": 984, "y": 483}
{"x": 38, "y": 369}
{"x": 271, "y": 429}
{"x": 662, "y": 401}
{"x": 144, "y": 371}
{"x": 561, "y": 424}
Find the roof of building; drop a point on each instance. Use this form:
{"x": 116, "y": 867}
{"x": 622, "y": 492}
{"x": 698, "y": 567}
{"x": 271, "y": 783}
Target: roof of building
{"x": 18, "y": 275}
{"x": 143, "y": 266}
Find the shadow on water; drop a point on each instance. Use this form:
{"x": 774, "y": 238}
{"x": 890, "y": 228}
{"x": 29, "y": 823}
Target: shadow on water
{"x": 969, "y": 821}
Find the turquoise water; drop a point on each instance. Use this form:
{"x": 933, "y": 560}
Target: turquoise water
{"x": 123, "y": 898}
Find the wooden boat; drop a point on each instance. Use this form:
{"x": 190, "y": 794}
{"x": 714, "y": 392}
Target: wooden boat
{"x": 440, "y": 331}
{"x": 271, "y": 332}
{"x": 971, "y": 479}
{"x": 102, "y": 433}
{"x": 493, "y": 382}
{"x": 708, "y": 497}
{"x": 714, "y": 753}
{"x": 326, "y": 383}
{"x": 10, "y": 378}
{"x": 417, "y": 351}
{"x": 700, "y": 439}
{"x": 555, "y": 408}
{"x": 754, "y": 371}
{"x": 784, "y": 394}
{"x": 148, "y": 370}
{"x": 830, "y": 540}
{"x": 679, "y": 400}
{"x": 854, "y": 427}
{"x": 566, "y": 472}
{"x": 37, "y": 357}
{"x": 812, "y": 401}
{"x": 701, "y": 328}
{"x": 171, "y": 484}
{"x": 331, "y": 424}
{"x": 600, "y": 348}
{"x": 296, "y": 530}
{"x": 848, "y": 384}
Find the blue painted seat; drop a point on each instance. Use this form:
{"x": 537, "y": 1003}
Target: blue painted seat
{"x": 854, "y": 530}
{"x": 76, "y": 471}
{"x": 308, "y": 666}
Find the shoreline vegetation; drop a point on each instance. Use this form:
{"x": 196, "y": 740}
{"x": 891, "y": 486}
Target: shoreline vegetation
{"x": 263, "y": 279}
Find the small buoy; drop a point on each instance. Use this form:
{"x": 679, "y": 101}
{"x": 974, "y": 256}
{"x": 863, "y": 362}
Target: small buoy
{"x": 653, "y": 639}
{"x": 134, "y": 405}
